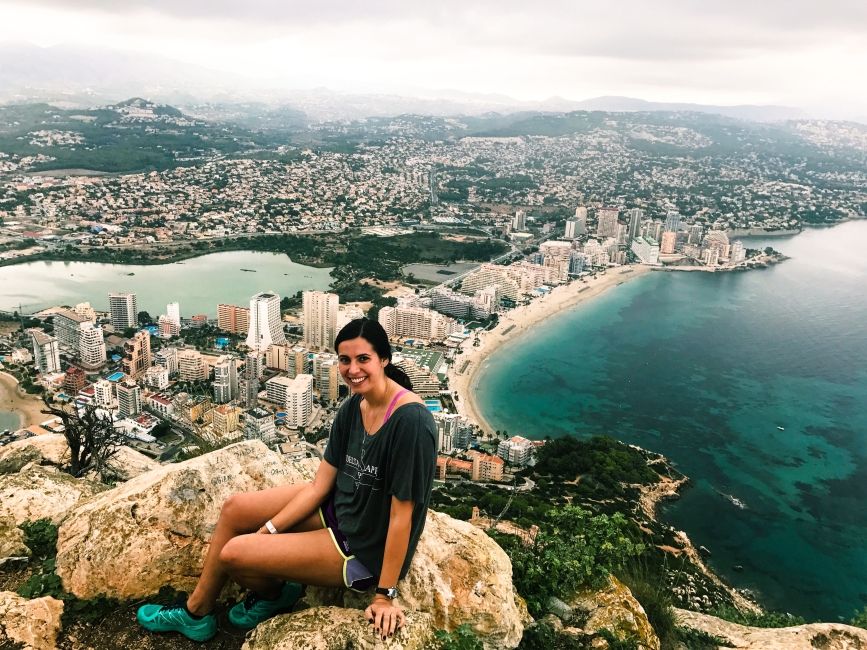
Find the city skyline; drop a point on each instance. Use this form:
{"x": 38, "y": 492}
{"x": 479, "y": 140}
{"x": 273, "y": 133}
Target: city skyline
{"x": 802, "y": 56}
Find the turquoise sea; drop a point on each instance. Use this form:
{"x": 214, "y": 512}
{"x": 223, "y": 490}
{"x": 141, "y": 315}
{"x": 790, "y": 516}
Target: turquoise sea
{"x": 754, "y": 384}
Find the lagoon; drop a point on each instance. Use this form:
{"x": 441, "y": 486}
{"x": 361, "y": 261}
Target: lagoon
{"x": 754, "y": 384}
{"x": 198, "y": 284}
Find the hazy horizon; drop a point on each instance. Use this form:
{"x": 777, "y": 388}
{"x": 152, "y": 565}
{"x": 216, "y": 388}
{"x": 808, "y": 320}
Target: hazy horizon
{"x": 793, "y": 55}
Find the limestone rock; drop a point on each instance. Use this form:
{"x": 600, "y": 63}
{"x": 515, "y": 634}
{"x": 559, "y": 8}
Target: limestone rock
{"x": 49, "y": 449}
{"x": 33, "y": 624}
{"x": 42, "y": 492}
{"x": 828, "y": 636}
{"x": 335, "y": 628}
{"x": 12, "y": 546}
{"x": 153, "y": 530}
{"x": 459, "y": 575}
{"x": 614, "y": 608}
{"x": 127, "y": 463}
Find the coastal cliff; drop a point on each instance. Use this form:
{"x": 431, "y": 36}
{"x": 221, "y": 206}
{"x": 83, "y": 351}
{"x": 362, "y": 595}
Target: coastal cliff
{"x": 118, "y": 546}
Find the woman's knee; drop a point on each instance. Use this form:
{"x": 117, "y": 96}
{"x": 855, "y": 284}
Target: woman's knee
{"x": 232, "y": 554}
{"x": 232, "y": 511}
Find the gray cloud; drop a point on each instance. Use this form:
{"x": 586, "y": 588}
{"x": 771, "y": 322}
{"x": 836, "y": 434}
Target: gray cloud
{"x": 658, "y": 30}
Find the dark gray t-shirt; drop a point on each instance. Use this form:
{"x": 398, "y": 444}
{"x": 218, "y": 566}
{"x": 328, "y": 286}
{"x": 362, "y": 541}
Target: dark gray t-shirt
{"x": 398, "y": 460}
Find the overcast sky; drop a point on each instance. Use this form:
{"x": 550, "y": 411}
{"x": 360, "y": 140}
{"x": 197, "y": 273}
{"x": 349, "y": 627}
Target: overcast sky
{"x": 798, "y": 53}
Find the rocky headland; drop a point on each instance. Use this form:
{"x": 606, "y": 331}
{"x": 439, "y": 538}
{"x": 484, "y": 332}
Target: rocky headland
{"x": 146, "y": 537}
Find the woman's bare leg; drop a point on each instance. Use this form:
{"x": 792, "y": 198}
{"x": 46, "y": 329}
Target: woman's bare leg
{"x": 307, "y": 557}
{"x": 241, "y": 514}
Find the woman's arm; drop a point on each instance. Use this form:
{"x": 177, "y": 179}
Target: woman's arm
{"x": 385, "y": 614}
{"x": 307, "y": 500}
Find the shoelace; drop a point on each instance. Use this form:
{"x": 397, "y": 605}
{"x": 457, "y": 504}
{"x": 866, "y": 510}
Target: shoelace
{"x": 250, "y": 601}
{"x": 178, "y": 604}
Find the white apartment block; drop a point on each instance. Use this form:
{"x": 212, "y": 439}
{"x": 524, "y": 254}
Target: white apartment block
{"x": 299, "y": 401}
{"x": 266, "y": 323}
{"x": 259, "y": 425}
{"x": 417, "y": 323}
{"x": 124, "y": 310}
{"x": 492, "y": 274}
{"x": 326, "y": 372}
{"x": 157, "y": 377}
{"x": 129, "y": 401}
{"x": 557, "y": 248}
{"x": 168, "y": 327}
{"x": 448, "y": 428}
{"x": 173, "y": 313}
{"x": 647, "y": 250}
{"x": 168, "y": 359}
{"x": 517, "y": 450}
{"x": 319, "y": 318}
{"x": 46, "y": 351}
{"x": 91, "y": 349}
{"x": 225, "y": 379}
{"x": 67, "y": 329}
{"x": 103, "y": 394}
{"x": 192, "y": 366}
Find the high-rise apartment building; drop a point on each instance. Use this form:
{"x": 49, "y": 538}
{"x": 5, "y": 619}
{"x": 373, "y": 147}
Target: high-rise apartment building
{"x": 519, "y": 221}
{"x": 266, "y": 325}
{"x": 67, "y": 329}
{"x": 224, "y": 423}
{"x": 225, "y": 379}
{"x": 673, "y": 221}
{"x": 259, "y": 425}
{"x": 173, "y": 312}
{"x": 192, "y": 366}
{"x": 606, "y": 222}
{"x": 327, "y": 377}
{"x": 417, "y": 323}
{"x": 320, "y": 319}
{"x": 128, "y": 399}
{"x": 250, "y": 384}
{"x": 157, "y": 377}
{"x": 103, "y": 394}
{"x": 234, "y": 319}
{"x": 572, "y": 229}
{"x": 668, "y": 243}
{"x": 91, "y": 346}
{"x": 124, "y": 310}
{"x": 646, "y": 250}
{"x": 137, "y": 354}
{"x": 636, "y": 215}
{"x": 46, "y": 351}
{"x": 299, "y": 401}
{"x": 581, "y": 218}
{"x": 168, "y": 359}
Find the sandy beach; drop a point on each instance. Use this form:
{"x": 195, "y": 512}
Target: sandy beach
{"x": 28, "y": 407}
{"x": 464, "y": 372}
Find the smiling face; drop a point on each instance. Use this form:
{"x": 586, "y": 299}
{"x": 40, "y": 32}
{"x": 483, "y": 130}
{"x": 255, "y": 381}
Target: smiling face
{"x": 361, "y": 368}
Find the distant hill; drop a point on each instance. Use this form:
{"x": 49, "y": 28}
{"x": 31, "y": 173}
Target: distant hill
{"x": 744, "y": 112}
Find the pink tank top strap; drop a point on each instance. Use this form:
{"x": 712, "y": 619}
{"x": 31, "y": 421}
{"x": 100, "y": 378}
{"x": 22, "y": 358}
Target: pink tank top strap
{"x": 393, "y": 402}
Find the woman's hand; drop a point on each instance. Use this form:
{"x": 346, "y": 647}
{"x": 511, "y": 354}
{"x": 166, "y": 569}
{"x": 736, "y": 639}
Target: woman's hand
{"x": 385, "y": 615}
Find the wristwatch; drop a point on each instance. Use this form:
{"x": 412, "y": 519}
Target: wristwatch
{"x": 388, "y": 592}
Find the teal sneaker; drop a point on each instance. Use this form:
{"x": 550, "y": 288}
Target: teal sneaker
{"x": 253, "y": 610}
{"x": 176, "y": 618}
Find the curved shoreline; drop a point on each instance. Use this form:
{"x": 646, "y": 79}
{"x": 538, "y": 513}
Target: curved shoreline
{"x": 28, "y": 409}
{"x": 464, "y": 373}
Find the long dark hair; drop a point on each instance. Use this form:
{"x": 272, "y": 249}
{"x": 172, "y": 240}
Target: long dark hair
{"x": 372, "y": 332}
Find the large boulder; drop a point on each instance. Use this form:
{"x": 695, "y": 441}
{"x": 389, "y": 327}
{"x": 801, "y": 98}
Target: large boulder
{"x": 51, "y": 449}
{"x": 42, "y": 492}
{"x": 459, "y": 575}
{"x": 31, "y": 624}
{"x": 615, "y": 609}
{"x": 154, "y": 529}
{"x": 48, "y": 449}
{"x": 335, "y": 628}
{"x": 828, "y": 636}
{"x": 12, "y": 546}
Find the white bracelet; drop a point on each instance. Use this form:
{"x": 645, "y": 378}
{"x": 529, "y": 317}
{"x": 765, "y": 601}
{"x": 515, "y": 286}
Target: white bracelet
{"x": 271, "y": 528}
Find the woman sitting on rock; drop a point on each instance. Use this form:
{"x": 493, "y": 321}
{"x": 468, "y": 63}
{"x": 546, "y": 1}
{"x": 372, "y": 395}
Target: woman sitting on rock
{"x": 356, "y": 525}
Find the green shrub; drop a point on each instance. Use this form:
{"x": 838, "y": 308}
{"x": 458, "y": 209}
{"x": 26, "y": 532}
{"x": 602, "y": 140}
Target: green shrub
{"x": 765, "y": 619}
{"x": 573, "y": 549}
{"x": 700, "y": 640}
{"x": 860, "y": 619}
{"x": 463, "y": 638}
{"x": 40, "y": 536}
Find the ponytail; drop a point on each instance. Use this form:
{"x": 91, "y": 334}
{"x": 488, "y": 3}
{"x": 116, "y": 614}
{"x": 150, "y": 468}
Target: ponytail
{"x": 396, "y": 374}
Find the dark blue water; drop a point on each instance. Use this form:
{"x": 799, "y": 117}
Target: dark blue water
{"x": 704, "y": 368}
